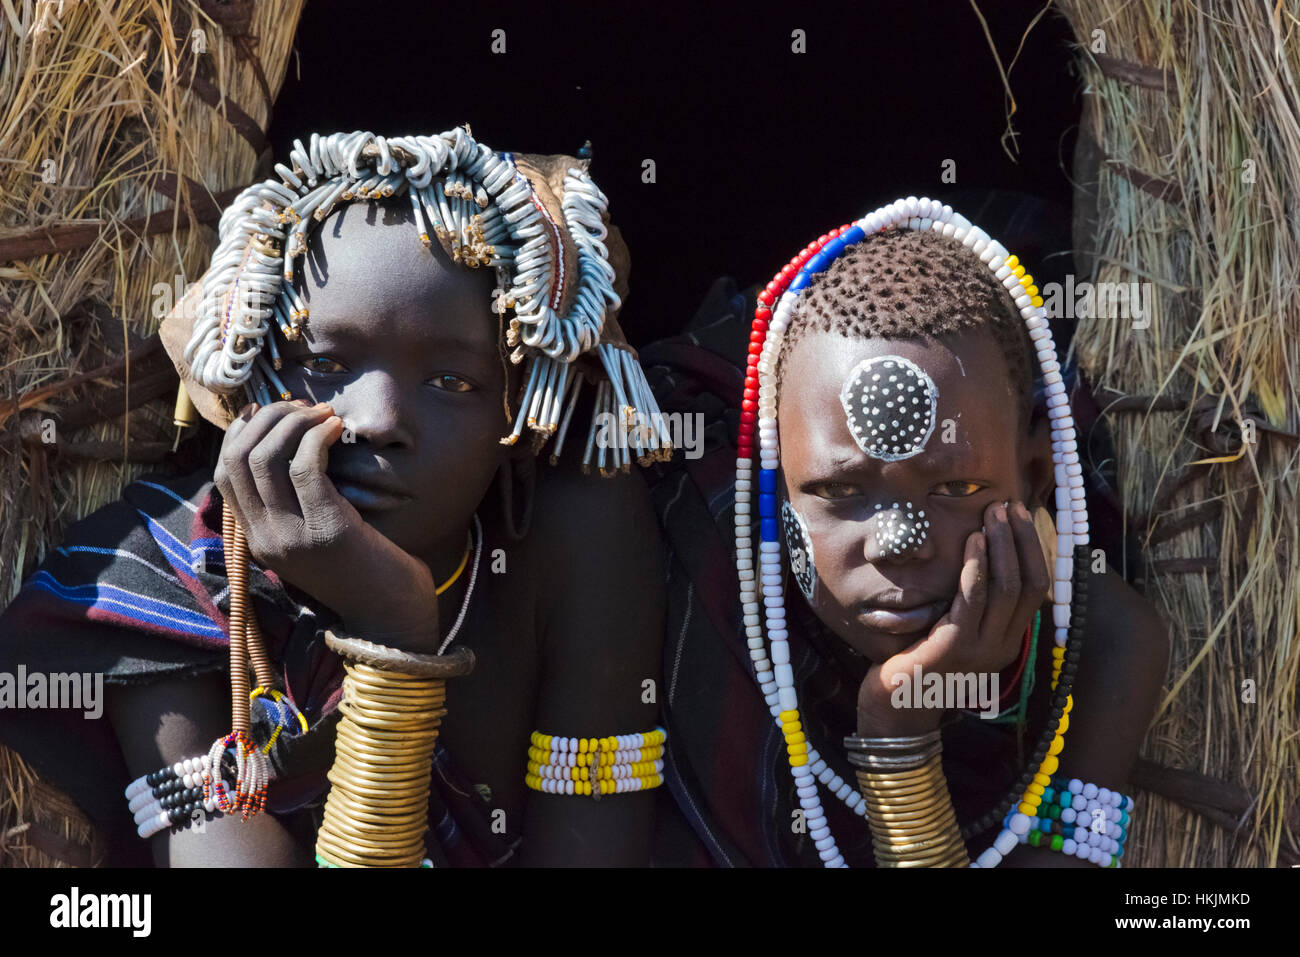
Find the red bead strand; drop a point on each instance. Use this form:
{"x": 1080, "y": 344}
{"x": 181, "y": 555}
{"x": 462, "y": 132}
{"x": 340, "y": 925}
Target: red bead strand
{"x": 758, "y": 335}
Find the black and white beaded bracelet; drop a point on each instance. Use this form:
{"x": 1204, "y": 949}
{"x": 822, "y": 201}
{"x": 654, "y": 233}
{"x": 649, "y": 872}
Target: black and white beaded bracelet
{"x": 173, "y": 796}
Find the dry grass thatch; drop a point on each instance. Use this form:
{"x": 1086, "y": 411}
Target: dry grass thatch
{"x": 124, "y": 128}
{"x": 1192, "y": 113}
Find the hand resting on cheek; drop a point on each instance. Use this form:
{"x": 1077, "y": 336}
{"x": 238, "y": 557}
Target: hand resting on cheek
{"x": 1003, "y": 580}
{"x": 272, "y": 471}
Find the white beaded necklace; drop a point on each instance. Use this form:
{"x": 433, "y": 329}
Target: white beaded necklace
{"x": 469, "y": 590}
{"x": 772, "y": 661}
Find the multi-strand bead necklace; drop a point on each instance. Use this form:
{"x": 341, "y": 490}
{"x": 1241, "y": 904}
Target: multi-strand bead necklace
{"x": 172, "y": 796}
{"x": 758, "y": 432}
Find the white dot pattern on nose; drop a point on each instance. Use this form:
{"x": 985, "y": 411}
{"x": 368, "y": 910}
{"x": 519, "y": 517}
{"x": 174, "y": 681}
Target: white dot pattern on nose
{"x": 891, "y": 406}
{"x": 799, "y": 547}
{"x": 901, "y": 528}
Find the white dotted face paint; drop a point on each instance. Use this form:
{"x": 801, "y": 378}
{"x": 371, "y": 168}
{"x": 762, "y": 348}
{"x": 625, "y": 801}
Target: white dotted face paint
{"x": 891, "y": 407}
{"x": 799, "y": 546}
{"x": 900, "y": 528}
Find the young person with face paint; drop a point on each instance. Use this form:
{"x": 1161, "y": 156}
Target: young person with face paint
{"x": 381, "y": 503}
{"x": 899, "y": 458}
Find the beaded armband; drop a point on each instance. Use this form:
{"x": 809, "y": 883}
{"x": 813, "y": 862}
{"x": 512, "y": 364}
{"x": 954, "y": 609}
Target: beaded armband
{"x": 225, "y": 780}
{"x": 175, "y": 796}
{"x": 596, "y": 766}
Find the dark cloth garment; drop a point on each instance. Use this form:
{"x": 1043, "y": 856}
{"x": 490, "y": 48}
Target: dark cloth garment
{"x": 727, "y": 767}
{"x": 138, "y": 592}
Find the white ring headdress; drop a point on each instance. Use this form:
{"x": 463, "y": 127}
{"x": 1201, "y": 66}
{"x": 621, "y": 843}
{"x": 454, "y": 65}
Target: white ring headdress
{"x": 487, "y": 213}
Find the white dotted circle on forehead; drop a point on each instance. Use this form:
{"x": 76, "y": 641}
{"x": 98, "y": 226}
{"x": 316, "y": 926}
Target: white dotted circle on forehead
{"x": 901, "y": 529}
{"x": 891, "y": 406}
{"x": 799, "y": 547}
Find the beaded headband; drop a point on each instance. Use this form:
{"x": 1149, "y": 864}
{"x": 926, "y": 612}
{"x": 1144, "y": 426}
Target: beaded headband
{"x": 758, "y": 415}
{"x": 540, "y": 222}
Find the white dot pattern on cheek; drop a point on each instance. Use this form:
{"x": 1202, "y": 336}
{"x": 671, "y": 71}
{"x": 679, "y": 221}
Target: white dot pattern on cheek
{"x": 900, "y": 528}
{"x": 891, "y": 406}
{"x": 800, "y": 549}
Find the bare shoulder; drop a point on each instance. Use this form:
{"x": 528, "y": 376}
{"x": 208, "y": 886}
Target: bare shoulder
{"x": 591, "y": 527}
{"x": 1124, "y": 627}
{"x": 598, "y": 552}
{"x": 573, "y": 504}
{"x": 1118, "y": 684}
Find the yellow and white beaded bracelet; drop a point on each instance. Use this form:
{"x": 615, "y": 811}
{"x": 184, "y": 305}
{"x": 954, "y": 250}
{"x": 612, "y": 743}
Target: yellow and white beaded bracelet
{"x": 596, "y": 766}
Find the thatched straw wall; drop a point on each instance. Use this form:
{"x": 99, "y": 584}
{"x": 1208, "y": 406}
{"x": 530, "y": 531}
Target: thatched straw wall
{"x": 1189, "y": 170}
{"x": 124, "y": 128}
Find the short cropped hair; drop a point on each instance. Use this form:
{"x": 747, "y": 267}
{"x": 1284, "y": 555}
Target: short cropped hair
{"x": 904, "y": 284}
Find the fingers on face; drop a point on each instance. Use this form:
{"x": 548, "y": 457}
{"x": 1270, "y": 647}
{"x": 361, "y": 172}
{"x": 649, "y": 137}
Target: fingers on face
{"x": 221, "y": 475}
{"x": 1035, "y": 579}
{"x": 311, "y": 486}
{"x": 972, "y": 592}
{"x": 1004, "y": 572}
{"x": 245, "y": 466}
{"x": 270, "y": 459}
{"x": 1003, "y": 578}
